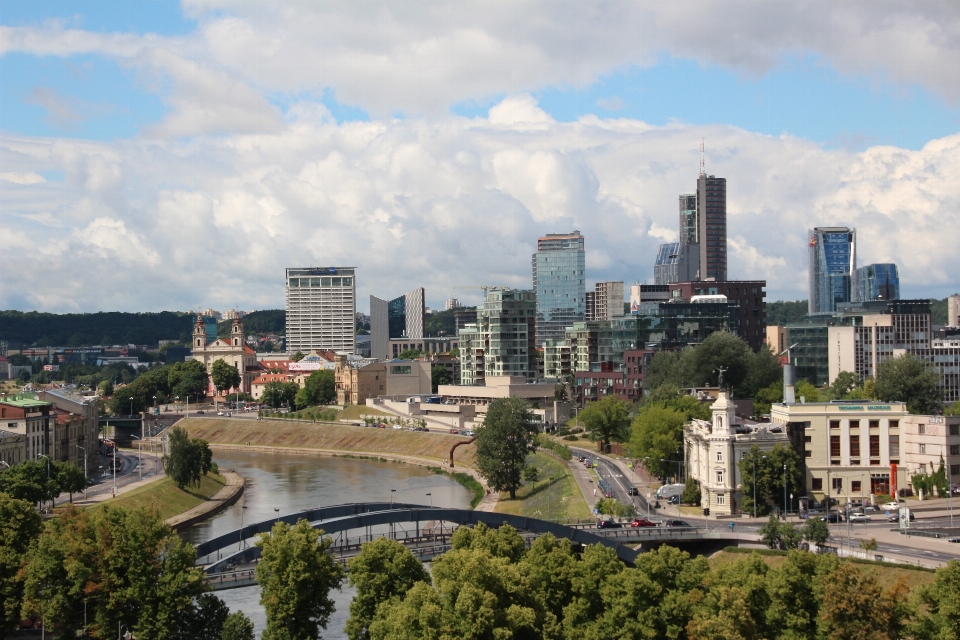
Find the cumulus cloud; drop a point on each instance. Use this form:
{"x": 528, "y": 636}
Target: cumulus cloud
{"x": 214, "y": 220}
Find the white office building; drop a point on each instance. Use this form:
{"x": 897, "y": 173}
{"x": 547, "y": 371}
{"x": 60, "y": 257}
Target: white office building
{"x": 321, "y": 309}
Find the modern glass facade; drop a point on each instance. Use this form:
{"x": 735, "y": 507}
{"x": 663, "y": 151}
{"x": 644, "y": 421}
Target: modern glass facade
{"x": 402, "y": 317}
{"x": 210, "y": 325}
{"x": 688, "y": 218}
{"x": 712, "y": 226}
{"x": 666, "y": 268}
{"x": 501, "y": 343}
{"x": 833, "y": 256}
{"x": 875, "y": 282}
{"x": 559, "y": 284}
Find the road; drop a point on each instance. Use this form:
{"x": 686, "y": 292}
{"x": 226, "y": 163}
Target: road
{"x": 609, "y": 473}
{"x": 102, "y": 483}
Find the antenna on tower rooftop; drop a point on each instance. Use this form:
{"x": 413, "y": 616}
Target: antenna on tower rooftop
{"x": 702, "y": 168}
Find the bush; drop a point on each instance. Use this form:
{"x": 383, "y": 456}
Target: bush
{"x": 561, "y": 450}
{"x": 571, "y": 438}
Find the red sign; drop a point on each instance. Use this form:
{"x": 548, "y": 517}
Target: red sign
{"x": 813, "y": 240}
{"x": 893, "y": 481}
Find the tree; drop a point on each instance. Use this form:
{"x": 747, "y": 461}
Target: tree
{"x": 19, "y": 526}
{"x": 779, "y": 535}
{"x": 105, "y": 388}
{"x": 952, "y": 410}
{"x": 807, "y": 391}
{"x": 816, "y": 531}
{"x": 187, "y": 461}
{"x": 531, "y": 473}
{"x": 721, "y": 349}
{"x": 665, "y": 368}
{"x": 224, "y": 375}
{"x": 187, "y": 379}
{"x": 70, "y": 477}
{"x": 30, "y": 480}
{"x": 941, "y": 605}
{"x": 560, "y": 392}
{"x": 318, "y": 389}
{"x": 657, "y": 437}
{"x": 297, "y": 357}
{"x": 844, "y": 383}
{"x": 607, "y": 419}
{"x": 383, "y": 569}
{"x": 438, "y": 376}
{"x": 121, "y": 404}
{"x": 792, "y": 587}
{"x": 615, "y": 508}
{"x": 410, "y": 354}
{"x": 764, "y": 370}
{"x": 764, "y": 399}
{"x": 237, "y": 626}
{"x": 117, "y": 566}
{"x": 908, "y": 379}
{"x": 296, "y": 576}
{"x": 769, "y": 477}
{"x": 691, "y": 492}
{"x": 278, "y": 394}
{"x": 855, "y": 606}
{"x": 503, "y": 442}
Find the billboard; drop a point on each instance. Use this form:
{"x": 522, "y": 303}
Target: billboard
{"x": 295, "y": 367}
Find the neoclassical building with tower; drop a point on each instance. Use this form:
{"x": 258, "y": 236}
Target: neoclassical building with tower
{"x": 233, "y": 350}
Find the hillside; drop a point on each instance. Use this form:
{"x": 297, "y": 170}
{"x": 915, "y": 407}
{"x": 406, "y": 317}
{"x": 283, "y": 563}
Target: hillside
{"x": 83, "y": 329}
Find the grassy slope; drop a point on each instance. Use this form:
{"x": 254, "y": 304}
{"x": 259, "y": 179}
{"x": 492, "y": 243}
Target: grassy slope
{"x": 886, "y": 575}
{"x": 167, "y": 498}
{"x": 559, "y": 499}
{"x": 277, "y": 433}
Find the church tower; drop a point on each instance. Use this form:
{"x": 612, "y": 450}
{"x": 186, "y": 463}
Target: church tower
{"x": 236, "y": 333}
{"x": 723, "y": 415}
{"x": 199, "y": 334}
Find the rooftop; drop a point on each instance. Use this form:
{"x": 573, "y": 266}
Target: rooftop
{"x": 23, "y": 400}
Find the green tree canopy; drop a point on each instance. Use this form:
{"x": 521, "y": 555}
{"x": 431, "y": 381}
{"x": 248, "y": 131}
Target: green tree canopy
{"x": 296, "y": 576}
{"x": 410, "y": 354}
{"x": 607, "y": 420}
{"x": 844, "y": 383}
{"x": 780, "y": 535}
{"x": 908, "y": 379}
{"x": 224, "y": 375}
{"x": 70, "y": 477}
{"x": 237, "y": 626}
{"x": 278, "y": 394}
{"x": 657, "y": 437}
{"x": 503, "y": 441}
{"x": 187, "y": 379}
{"x": 319, "y": 388}
{"x": 816, "y": 531}
{"x": 19, "y": 526}
{"x": 940, "y": 604}
{"x": 297, "y": 357}
{"x": 770, "y": 477}
{"x": 438, "y": 376}
{"x": 31, "y": 480}
{"x": 383, "y": 569}
{"x": 189, "y": 459}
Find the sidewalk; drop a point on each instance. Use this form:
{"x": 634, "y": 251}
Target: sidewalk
{"x": 107, "y": 495}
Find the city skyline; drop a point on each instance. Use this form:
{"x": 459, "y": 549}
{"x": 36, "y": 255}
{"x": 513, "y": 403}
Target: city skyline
{"x": 148, "y": 162}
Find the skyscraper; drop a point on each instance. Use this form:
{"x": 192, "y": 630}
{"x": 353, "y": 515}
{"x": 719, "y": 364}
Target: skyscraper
{"x": 402, "y": 317}
{"x": 502, "y": 342}
{"x": 558, "y": 283}
{"x": 712, "y": 226}
{"x": 605, "y": 301}
{"x": 875, "y": 282}
{"x": 321, "y": 309}
{"x": 833, "y": 257}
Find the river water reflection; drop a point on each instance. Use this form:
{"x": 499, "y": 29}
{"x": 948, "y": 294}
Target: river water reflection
{"x": 293, "y": 483}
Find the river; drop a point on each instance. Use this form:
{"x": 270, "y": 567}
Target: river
{"x": 291, "y": 483}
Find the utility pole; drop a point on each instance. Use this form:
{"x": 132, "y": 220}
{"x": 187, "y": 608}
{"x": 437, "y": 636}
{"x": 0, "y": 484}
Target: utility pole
{"x": 85, "y": 477}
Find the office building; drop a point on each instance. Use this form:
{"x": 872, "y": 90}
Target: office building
{"x": 875, "y": 282}
{"x": 558, "y": 284}
{"x": 833, "y": 257}
{"x": 928, "y": 441}
{"x": 712, "y": 227}
{"x": 402, "y": 317}
{"x": 645, "y": 294}
{"x": 748, "y": 295}
{"x": 605, "y": 301}
{"x": 676, "y": 262}
{"x": 321, "y": 304}
{"x": 210, "y": 326}
{"x": 503, "y": 340}
{"x": 451, "y": 303}
{"x": 432, "y": 345}
{"x": 953, "y": 311}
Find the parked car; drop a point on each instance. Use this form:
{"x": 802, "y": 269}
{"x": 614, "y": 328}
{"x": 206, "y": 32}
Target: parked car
{"x": 673, "y": 500}
{"x": 398, "y": 427}
{"x": 832, "y": 518}
{"x": 642, "y": 522}
{"x": 468, "y": 433}
{"x": 633, "y": 491}
{"x": 859, "y": 517}
{"x": 609, "y": 524}
{"x": 891, "y": 506}
{"x": 953, "y": 539}
{"x": 201, "y": 412}
{"x": 676, "y": 523}
{"x": 454, "y": 431}
{"x": 896, "y": 517}
{"x": 219, "y": 413}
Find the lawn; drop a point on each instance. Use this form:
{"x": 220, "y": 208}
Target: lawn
{"x": 164, "y": 496}
{"x": 357, "y": 412}
{"x": 556, "y": 499}
{"x": 330, "y": 437}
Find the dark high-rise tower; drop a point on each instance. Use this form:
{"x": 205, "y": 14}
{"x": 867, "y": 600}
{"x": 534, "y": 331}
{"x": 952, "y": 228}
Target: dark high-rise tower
{"x": 712, "y": 226}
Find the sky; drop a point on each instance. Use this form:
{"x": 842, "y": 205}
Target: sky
{"x": 173, "y": 156}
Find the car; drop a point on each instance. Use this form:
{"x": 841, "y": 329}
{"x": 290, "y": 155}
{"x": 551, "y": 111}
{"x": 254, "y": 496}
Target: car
{"x": 642, "y": 522}
{"x": 609, "y": 524}
{"x": 891, "y": 506}
{"x": 588, "y": 464}
{"x": 859, "y": 517}
{"x": 673, "y": 500}
{"x": 468, "y": 432}
{"x": 676, "y": 523}
{"x": 201, "y": 412}
{"x": 832, "y": 518}
{"x": 953, "y": 539}
{"x": 633, "y": 491}
{"x": 397, "y": 427}
{"x": 454, "y": 431}
{"x": 219, "y": 413}
{"x": 896, "y": 517}
{"x": 381, "y": 426}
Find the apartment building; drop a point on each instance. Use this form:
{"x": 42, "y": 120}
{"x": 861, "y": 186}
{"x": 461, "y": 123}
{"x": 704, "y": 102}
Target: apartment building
{"x": 321, "y": 305}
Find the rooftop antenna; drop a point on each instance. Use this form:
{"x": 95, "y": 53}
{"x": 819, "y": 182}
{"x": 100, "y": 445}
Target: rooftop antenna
{"x": 702, "y": 168}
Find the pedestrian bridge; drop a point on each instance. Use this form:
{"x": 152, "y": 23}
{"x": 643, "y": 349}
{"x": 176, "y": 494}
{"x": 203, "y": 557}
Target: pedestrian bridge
{"x": 229, "y": 559}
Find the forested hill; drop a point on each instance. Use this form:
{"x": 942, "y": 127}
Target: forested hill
{"x": 83, "y": 329}
{"x": 115, "y": 327}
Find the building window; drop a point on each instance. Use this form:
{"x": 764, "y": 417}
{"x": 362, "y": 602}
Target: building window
{"x": 816, "y": 484}
{"x": 719, "y": 456}
{"x": 721, "y": 498}
{"x": 955, "y": 470}
{"x": 808, "y": 438}
{"x": 955, "y": 449}
{"x": 808, "y": 454}
{"x": 874, "y": 446}
{"x": 854, "y": 446}
{"x": 923, "y": 448}
{"x": 834, "y": 424}
{"x": 719, "y": 477}
{"x": 837, "y": 484}
{"x": 955, "y": 429}
{"x": 855, "y": 486}
{"x": 834, "y": 446}
{"x": 854, "y": 424}
{"x": 894, "y": 424}
{"x": 921, "y": 429}
{"x": 894, "y": 445}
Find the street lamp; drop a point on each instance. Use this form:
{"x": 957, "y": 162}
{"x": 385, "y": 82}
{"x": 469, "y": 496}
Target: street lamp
{"x": 785, "y": 511}
{"x": 85, "y": 477}
{"x": 392, "y": 491}
{"x": 239, "y": 545}
{"x": 277, "y": 511}
{"x": 139, "y": 465}
{"x": 755, "y": 486}
{"x": 430, "y": 495}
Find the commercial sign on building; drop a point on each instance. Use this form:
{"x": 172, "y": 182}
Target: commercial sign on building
{"x": 305, "y": 366}
{"x": 860, "y": 407}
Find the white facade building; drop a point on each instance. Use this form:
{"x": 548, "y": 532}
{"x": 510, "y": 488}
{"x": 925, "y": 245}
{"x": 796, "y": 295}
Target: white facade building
{"x": 321, "y": 304}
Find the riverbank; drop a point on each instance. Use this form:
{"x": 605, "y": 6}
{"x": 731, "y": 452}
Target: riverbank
{"x": 555, "y": 496}
{"x": 226, "y": 496}
{"x": 332, "y": 439}
{"x": 172, "y": 502}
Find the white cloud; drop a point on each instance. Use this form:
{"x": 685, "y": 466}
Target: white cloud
{"x": 22, "y": 177}
{"x": 214, "y": 220}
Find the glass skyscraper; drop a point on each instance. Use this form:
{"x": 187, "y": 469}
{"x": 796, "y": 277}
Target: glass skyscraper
{"x": 402, "y": 317}
{"x": 833, "y": 256}
{"x": 559, "y": 284}
{"x": 875, "y": 282}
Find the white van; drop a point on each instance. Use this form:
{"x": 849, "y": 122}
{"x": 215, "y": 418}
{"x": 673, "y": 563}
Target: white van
{"x": 669, "y": 490}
